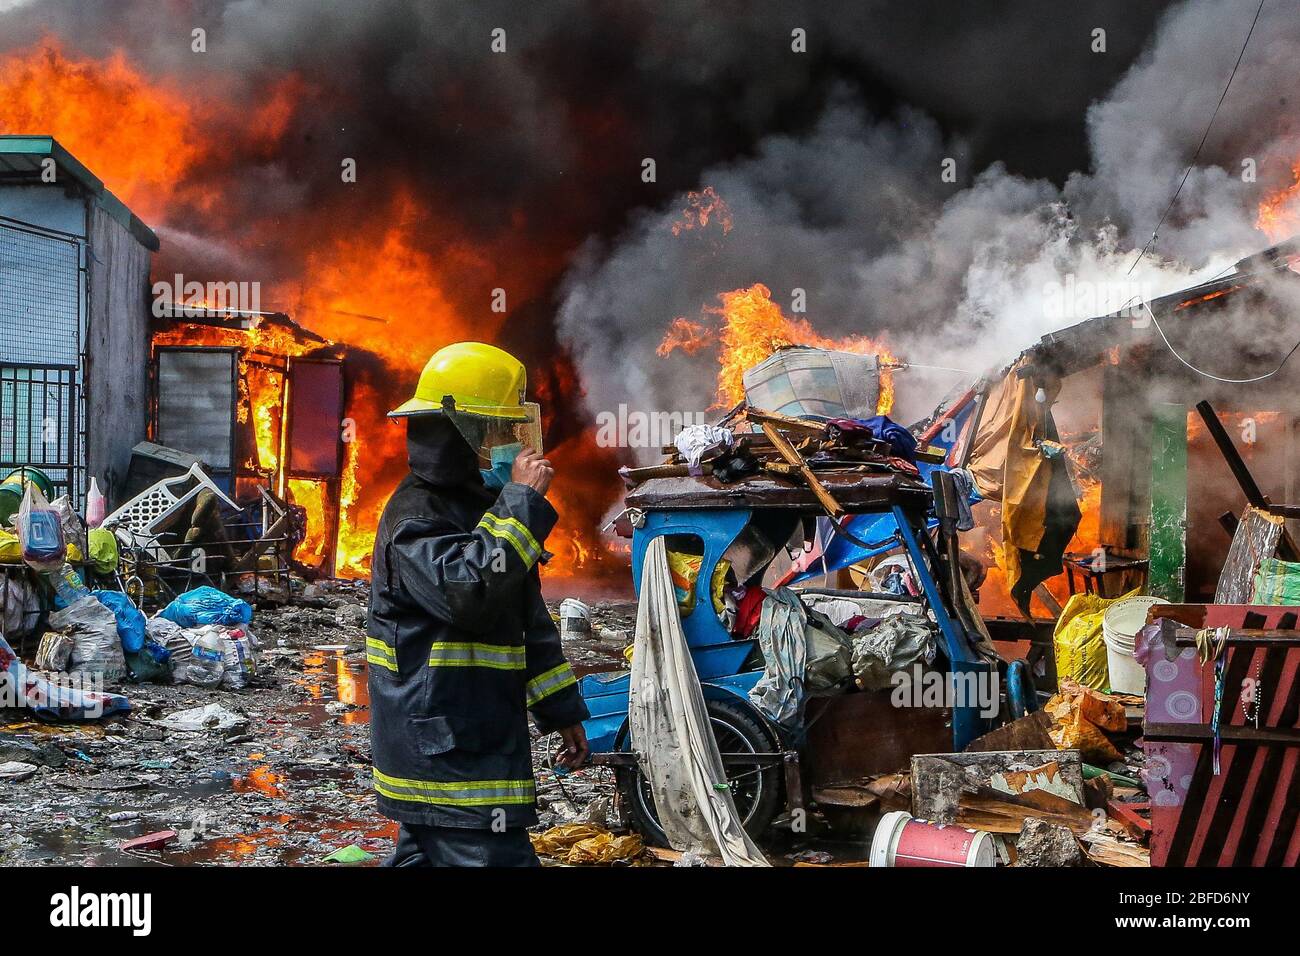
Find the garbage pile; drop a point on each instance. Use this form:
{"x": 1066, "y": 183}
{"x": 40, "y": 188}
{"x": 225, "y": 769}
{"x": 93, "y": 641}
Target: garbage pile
{"x": 780, "y": 446}
{"x": 91, "y": 636}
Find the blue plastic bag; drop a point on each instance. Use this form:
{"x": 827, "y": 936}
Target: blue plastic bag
{"x": 130, "y": 620}
{"x": 207, "y": 605}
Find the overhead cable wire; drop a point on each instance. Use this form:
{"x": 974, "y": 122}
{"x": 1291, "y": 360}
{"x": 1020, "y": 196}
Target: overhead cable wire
{"x": 1217, "y": 378}
{"x": 1204, "y": 137}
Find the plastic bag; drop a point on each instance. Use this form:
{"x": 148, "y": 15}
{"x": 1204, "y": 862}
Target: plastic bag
{"x": 207, "y": 605}
{"x": 74, "y": 529}
{"x": 20, "y": 607}
{"x": 11, "y": 548}
{"x": 96, "y": 506}
{"x": 238, "y": 653}
{"x": 1080, "y": 649}
{"x": 177, "y": 641}
{"x": 151, "y": 664}
{"x": 96, "y": 648}
{"x": 50, "y": 700}
{"x": 130, "y": 620}
{"x": 685, "y": 569}
{"x": 103, "y": 551}
{"x": 40, "y": 531}
{"x": 895, "y": 644}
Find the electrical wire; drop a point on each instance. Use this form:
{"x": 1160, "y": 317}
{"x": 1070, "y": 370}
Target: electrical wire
{"x": 1204, "y": 137}
{"x": 1226, "y": 381}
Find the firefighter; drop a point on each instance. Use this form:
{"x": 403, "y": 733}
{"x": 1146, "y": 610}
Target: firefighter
{"x": 461, "y": 646}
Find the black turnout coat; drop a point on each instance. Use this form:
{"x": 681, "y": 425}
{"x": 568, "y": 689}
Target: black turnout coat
{"x": 460, "y": 644}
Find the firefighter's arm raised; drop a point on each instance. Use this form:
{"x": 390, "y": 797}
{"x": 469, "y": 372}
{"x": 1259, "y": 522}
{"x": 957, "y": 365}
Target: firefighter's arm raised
{"x": 465, "y": 579}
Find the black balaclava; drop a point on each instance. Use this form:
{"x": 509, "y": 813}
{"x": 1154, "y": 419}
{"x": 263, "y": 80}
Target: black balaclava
{"x": 439, "y": 455}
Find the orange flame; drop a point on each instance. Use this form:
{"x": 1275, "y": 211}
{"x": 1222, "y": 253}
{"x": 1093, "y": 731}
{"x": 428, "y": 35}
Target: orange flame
{"x": 44, "y": 91}
{"x": 753, "y": 328}
{"x": 701, "y": 207}
{"x": 1278, "y": 216}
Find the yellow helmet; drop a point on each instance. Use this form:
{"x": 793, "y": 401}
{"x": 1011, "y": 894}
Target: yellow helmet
{"x": 481, "y": 380}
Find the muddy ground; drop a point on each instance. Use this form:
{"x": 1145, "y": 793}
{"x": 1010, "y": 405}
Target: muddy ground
{"x": 288, "y": 785}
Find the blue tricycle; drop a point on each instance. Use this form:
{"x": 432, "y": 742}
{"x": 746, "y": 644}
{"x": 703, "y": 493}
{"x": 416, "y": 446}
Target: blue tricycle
{"x": 843, "y": 740}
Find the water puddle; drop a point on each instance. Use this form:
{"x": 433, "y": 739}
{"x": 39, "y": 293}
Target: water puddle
{"x": 295, "y": 793}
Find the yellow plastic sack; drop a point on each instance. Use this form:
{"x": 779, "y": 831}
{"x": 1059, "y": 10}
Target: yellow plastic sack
{"x": 11, "y": 549}
{"x": 103, "y": 550}
{"x": 685, "y": 569}
{"x": 1080, "y": 649}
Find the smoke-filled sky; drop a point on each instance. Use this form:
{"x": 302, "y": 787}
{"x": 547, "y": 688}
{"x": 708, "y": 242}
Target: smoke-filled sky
{"x": 522, "y": 169}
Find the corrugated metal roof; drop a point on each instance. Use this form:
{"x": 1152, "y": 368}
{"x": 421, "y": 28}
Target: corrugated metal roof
{"x": 21, "y": 158}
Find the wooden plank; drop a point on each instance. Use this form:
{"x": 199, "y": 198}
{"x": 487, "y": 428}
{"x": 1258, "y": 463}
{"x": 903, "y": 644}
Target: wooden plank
{"x": 983, "y": 808}
{"x": 1242, "y": 735}
{"x": 1104, "y": 849}
{"x": 787, "y": 451}
{"x": 1125, "y": 451}
{"x": 1027, "y": 733}
{"x": 1125, "y": 814}
{"x": 1167, "y": 570}
{"x": 816, "y": 429}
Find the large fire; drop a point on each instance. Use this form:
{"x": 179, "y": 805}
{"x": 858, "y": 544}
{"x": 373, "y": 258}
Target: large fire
{"x": 387, "y": 273}
{"x": 751, "y": 327}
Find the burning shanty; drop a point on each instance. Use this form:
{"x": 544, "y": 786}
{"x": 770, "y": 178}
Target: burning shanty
{"x": 383, "y": 479}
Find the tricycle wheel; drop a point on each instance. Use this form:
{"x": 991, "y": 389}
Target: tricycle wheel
{"x": 756, "y": 791}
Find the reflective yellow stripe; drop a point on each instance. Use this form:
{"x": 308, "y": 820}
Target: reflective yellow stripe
{"x": 509, "y": 538}
{"x": 380, "y": 654}
{"x": 467, "y": 654}
{"x": 518, "y": 532}
{"x": 549, "y": 682}
{"x": 461, "y": 793}
{"x": 518, "y": 526}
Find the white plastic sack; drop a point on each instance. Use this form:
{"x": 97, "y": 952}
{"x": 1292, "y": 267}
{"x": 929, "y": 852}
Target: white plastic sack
{"x": 671, "y": 732}
{"x": 238, "y": 651}
{"x": 177, "y": 641}
{"x": 895, "y": 644}
{"x": 96, "y": 648}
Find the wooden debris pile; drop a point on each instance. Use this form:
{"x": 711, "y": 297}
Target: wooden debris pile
{"x": 772, "y": 445}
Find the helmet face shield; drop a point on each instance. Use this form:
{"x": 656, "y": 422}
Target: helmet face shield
{"x": 499, "y": 440}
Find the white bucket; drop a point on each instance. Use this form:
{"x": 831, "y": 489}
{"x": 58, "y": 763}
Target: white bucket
{"x": 901, "y": 841}
{"x": 1119, "y": 629}
{"x": 575, "y": 617}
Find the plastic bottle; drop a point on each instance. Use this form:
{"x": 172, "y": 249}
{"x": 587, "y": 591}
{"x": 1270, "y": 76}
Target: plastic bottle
{"x": 68, "y": 586}
{"x": 96, "y": 507}
{"x": 207, "y": 665}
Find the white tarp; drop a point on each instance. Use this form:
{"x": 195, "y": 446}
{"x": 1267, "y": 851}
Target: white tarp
{"x": 671, "y": 733}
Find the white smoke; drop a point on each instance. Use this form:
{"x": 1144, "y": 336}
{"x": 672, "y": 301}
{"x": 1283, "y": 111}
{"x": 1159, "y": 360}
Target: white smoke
{"x": 968, "y": 274}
